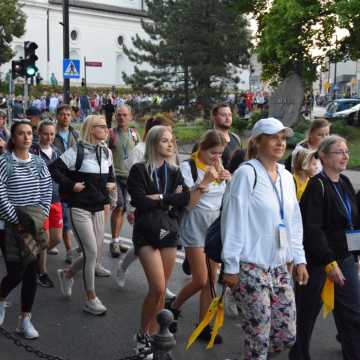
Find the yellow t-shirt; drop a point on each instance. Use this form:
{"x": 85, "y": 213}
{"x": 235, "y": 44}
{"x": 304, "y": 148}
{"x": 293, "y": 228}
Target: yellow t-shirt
{"x": 300, "y": 186}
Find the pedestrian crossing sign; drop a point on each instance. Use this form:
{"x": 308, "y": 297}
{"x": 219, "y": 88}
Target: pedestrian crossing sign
{"x": 71, "y": 69}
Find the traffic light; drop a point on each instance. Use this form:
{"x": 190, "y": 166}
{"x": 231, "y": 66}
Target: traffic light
{"x": 30, "y": 58}
{"x": 17, "y": 69}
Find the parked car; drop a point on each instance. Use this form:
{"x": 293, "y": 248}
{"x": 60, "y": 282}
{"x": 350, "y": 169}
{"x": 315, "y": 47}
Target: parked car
{"x": 351, "y": 115}
{"x": 339, "y": 105}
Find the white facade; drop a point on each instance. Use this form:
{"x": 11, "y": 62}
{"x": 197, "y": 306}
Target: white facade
{"x": 347, "y": 78}
{"x": 95, "y": 28}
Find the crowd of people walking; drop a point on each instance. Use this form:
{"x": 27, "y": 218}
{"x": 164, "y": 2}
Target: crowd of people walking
{"x": 290, "y": 237}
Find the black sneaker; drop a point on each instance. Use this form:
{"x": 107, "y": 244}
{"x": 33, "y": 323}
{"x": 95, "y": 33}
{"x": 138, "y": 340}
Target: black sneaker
{"x": 115, "y": 249}
{"x": 205, "y": 336}
{"x": 45, "y": 281}
{"x": 143, "y": 345}
{"x": 176, "y": 313}
{"x": 186, "y": 267}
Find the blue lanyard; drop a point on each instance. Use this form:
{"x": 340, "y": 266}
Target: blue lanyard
{"x": 345, "y": 201}
{"x": 158, "y": 181}
{"x": 279, "y": 196}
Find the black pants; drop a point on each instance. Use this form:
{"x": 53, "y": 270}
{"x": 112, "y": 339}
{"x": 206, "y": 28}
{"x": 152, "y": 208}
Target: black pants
{"x": 346, "y": 311}
{"x": 16, "y": 274}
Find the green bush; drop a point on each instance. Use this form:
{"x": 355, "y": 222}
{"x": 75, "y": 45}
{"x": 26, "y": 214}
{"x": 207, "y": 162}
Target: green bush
{"x": 295, "y": 139}
{"x": 239, "y": 124}
{"x": 339, "y": 127}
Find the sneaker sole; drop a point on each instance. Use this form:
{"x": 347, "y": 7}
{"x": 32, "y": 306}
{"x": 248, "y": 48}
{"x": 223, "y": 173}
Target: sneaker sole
{"x": 102, "y": 275}
{"x": 20, "y": 333}
{"x": 93, "y": 312}
{"x": 45, "y": 285}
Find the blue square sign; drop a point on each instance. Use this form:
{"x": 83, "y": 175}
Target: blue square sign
{"x": 71, "y": 69}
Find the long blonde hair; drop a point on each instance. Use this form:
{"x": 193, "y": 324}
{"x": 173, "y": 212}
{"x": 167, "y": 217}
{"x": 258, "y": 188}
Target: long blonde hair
{"x": 151, "y": 146}
{"x": 85, "y": 134}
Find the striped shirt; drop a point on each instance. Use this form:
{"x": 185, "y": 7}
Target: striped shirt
{"x": 26, "y": 186}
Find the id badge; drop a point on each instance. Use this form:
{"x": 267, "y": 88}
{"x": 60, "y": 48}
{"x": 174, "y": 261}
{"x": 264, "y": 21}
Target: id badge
{"x": 283, "y": 240}
{"x": 353, "y": 240}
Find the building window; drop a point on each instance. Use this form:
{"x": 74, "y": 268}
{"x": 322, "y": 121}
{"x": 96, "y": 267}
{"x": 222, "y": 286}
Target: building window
{"x": 74, "y": 35}
{"x": 120, "y": 40}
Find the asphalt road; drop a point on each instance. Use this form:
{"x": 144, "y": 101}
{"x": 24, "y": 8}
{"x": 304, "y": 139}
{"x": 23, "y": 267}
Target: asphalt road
{"x": 68, "y": 332}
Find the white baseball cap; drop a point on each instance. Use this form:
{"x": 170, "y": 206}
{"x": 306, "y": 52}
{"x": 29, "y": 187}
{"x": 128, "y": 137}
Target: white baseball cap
{"x": 270, "y": 126}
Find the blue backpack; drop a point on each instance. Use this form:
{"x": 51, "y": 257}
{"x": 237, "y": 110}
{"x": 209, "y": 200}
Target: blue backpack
{"x": 213, "y": 241}
{"x": 10, "y": 163}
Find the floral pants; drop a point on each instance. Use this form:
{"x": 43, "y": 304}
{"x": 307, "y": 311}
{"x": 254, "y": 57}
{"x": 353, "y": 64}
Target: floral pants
{"x": 266, "y": 304}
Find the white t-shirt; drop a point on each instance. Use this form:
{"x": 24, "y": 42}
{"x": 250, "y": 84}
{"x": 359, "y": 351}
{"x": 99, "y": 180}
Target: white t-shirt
{"x": 47, "y": 151}
{"x": 210, "y": 200}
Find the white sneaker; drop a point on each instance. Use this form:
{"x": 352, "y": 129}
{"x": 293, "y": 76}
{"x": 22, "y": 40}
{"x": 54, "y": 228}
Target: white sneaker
{"x": 53, "y": 251}
{"x": 120, "y": 275}
{"x": 100, "y": 271}
{"x": 2, "y": 311}
{"x": 143, "y": 344}
{"x": 95, "y": 307}
{"x": 26, "y": 328}
{"x": 169, "y": 294}
{"x": 65, "y": 283}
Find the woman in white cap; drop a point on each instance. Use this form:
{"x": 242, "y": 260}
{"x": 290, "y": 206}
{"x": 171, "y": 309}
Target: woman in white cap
{"x": 262, "y": 232}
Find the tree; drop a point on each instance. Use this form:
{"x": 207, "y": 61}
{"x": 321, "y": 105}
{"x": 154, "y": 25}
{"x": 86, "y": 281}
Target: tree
{"x": 12, "y": 23}
{"x": 193, "y": 47}
{"x": 298, "y": 35}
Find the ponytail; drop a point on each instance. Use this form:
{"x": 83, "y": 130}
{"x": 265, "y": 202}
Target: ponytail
{"x": 251, "y": 149}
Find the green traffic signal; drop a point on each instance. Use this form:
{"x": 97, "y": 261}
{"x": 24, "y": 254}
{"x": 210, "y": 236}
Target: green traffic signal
{"x": 31, "y": 70}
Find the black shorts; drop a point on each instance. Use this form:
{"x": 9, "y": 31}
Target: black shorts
{"x": 122, "y": 193}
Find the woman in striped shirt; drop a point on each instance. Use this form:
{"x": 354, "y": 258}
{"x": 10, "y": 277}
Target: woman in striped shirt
{"x": 25, "y": 187}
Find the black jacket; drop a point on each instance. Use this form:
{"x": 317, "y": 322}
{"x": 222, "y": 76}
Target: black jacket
{"x": 140, "y": 184}
{"x": 36, "y": 149}
{"x": 95, "y": 195}
{"x": 324, "y": 220}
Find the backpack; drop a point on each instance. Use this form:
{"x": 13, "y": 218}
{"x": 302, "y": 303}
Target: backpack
{"x": 80, "y": 155}
{"x": 10, "y": 164}
{"x": 193, "y": 169}
{"x": 213, "y": 242}
{"x": 113, "y": 137}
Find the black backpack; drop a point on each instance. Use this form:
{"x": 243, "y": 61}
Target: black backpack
{"x": 213, "y": 241}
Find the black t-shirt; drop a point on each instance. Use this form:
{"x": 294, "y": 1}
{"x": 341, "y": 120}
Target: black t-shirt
{"x": 109, "y": 110}
{"x": 232, "y": 145}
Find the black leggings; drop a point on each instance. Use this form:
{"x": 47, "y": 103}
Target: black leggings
{"x": 16, "y": 274}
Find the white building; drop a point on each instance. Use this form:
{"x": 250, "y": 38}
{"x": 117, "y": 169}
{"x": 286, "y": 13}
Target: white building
{"x": 98, "y": 30}
{"x": 346, "y": 77}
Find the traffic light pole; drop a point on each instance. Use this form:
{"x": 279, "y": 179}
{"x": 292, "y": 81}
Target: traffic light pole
{"x": 66, "y": 47}
{"x": 26, "y": 94}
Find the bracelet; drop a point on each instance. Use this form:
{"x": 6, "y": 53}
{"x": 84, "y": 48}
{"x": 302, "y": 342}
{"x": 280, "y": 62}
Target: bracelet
{"x": 330, "y": 267}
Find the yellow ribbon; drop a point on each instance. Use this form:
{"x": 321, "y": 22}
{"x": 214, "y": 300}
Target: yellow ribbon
{"x": 327, "y": 297}
{"x": 328, "y": 292}
{"x": 216, "y": 309}
{"x": 200, "y": 165}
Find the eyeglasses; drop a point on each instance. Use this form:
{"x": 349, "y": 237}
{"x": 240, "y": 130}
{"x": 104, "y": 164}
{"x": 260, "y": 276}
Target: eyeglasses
{"x": 342, "y": 153}
{"x": 101, "y": 126}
